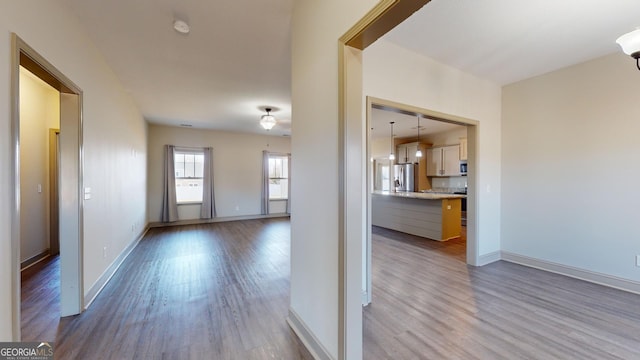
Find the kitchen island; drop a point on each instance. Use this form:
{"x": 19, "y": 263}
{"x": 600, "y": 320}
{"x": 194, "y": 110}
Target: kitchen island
{"x": 434, "y": 216}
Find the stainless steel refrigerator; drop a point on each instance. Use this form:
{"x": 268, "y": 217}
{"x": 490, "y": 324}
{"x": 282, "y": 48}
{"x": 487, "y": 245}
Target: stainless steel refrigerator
{"x": 404, "y": 177}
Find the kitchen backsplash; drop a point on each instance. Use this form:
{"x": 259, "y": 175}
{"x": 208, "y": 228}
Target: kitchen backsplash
{"x": 454, "y": 183}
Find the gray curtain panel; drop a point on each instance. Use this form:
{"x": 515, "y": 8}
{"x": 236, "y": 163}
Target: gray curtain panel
{"x": 208, "y": 209}
{"x": 265, "y": 183}
{"x": 169, "y": 203}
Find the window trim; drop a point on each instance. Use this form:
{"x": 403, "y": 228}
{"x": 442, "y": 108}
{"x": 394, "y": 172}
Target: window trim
{"x": 190, "y": 151}
{"x": 288, "y": 158}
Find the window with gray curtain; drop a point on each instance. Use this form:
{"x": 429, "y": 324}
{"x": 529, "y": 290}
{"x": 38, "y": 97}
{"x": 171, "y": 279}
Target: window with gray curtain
{"x": 276, "y": 184}
{"x": 188, "y": 179}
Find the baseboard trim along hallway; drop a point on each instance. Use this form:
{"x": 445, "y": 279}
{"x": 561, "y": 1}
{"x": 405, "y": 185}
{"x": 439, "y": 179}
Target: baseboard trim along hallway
{"x": 111, "y": 270}
{"x": 306, "y": 337}
{"x": 590, "y": 276}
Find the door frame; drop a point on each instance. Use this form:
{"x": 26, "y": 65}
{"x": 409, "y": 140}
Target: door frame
{"x": 472, "y": 131}
{"x": 70, "y": 185}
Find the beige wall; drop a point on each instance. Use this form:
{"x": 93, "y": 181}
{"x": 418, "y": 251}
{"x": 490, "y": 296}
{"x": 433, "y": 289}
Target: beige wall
{"x": 237, "y": 166}
{"x": 316, "y": 28}
{"x": 39, "y": 112}
{"x": 114, "y": 140}
{"x": 400, "y": 75}
{"x": 570, "y": 167}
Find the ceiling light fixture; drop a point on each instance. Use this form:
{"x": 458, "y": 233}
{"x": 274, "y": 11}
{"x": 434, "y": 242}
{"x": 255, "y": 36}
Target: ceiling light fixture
{"x": 418, "y": 152}
{"x": 181, "y": 27}
{"x": 630, "y": 44}
{"x": 391, "y": 156}
{"x": 268, "y": 121}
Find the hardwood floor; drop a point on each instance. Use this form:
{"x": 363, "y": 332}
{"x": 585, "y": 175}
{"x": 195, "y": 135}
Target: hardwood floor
{"x": 216, "y": 291}
{"x": 428, "y": 304}
{"x": 220, "y": 291}
{"x": 40, "y": 300}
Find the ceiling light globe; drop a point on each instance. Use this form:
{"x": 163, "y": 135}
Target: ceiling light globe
{"x": 630, "y": 43}
{"x": 268, "y": 122}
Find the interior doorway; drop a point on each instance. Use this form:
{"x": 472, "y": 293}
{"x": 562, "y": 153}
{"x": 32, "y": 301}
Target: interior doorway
{"x": 455, "y": 127}
{"x": 68, "y": 180}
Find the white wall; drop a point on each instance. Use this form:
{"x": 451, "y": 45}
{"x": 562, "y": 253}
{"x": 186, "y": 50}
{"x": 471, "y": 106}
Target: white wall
{"x": 400, "y": 75}
{"x": 570, "y": 167}
{"x": 316, "y": 28}
{"x": 39, "y": 112}
{"x": 237, "y": 167}
{"x": 114, "y": 139}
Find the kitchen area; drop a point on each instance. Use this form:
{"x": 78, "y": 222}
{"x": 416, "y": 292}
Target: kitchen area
{"x": 418, "y": 174}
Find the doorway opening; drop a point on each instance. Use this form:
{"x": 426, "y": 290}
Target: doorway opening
{"x": 66, "y": 208}
{"x": 444, "y": 132}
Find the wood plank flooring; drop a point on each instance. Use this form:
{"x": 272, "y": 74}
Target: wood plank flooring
{"x": 428, "y": 304}
{"x": 40, "y": 300}
{"x": 221, "y": 291}
{"x": 216, "y": 291}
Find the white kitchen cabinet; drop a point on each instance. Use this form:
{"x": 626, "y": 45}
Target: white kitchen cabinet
{"x": 406, "y": 153}
{"x": 463, "y": 148}
{"x": 443, "y": 161}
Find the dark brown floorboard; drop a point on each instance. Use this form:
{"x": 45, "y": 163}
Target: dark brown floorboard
{"x": 40, "y": 300}
{"x": 428, "y": 304}
{"x": 216, "y": 291}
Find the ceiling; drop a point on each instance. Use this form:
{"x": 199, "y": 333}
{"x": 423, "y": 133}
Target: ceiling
{"x": 505, "y": 41}
{"x": 405, "y": 124}
{"x": 236, "y": 60}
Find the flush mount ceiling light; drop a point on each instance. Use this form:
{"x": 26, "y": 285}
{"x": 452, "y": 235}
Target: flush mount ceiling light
{"x": 630, "y": 44}
{"x": 268, "y": 121}
{"x": 181, "y": 27}
{"x": 391, "y": 156}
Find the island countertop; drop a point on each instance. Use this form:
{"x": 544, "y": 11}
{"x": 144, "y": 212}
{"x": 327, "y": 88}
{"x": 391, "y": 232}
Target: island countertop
{"x": 419, "y": 195}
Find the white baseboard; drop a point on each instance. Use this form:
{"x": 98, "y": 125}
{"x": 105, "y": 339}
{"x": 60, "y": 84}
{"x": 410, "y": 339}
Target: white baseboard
{"x": 489, "y": 258}
{"x": 102, "y": 281}
{"x": 306, "y": 336}
{"x": 27, "y": 263}
{"x": 216, "y": 220}
{"x": 586, "y": 275}
{"x": 365, "y": 298}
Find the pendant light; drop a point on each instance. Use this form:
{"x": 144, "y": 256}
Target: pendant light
{"x": 391, "y": 156}
{"x": 419, "y": 152}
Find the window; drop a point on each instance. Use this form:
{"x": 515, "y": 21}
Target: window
{"x": 278, "y": 177}
{"x": 189, "y": 167}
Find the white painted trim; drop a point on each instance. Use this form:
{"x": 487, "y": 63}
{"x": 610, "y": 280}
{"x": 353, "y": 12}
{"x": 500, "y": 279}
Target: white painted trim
{"x": 216, "y": 220}
{"x": 103, "y": 280}
{"x": 27, "y": 263}
{"x": 586, "y": 275}
{"x": 489, "y": 258}
{"x": 365, "y": 298}
{"x": 307, "y": 338}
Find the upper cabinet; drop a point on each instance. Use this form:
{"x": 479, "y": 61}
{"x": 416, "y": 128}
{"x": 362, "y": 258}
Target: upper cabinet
{"x": 443, "y": 161}
{"x": 463, "y": 148}
{"x": 406, "y": 153}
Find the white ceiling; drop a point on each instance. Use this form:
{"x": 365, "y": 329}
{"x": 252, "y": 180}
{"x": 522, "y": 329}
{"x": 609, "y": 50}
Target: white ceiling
{"x": 405, "y": 124}
{"x": 510, "y": 40}
{"x": 237, "y": 59}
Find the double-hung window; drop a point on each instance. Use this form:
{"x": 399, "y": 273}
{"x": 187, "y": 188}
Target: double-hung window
{"x": 189, "y": 168}
{"x": 278, "y": 177}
